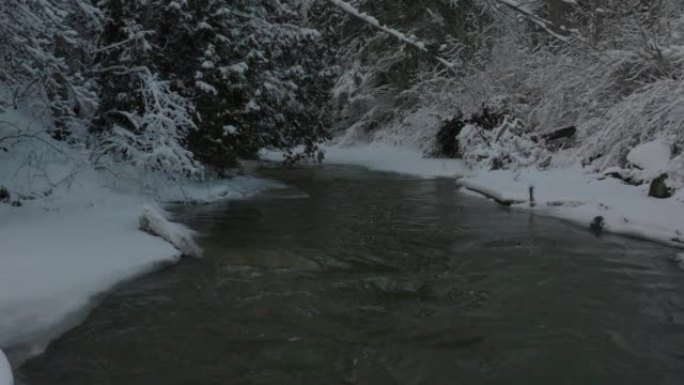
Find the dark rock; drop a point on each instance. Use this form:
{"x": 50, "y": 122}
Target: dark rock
{"x": 447, "y": 143}
{"x": 591, "y": 159}
{"x": 4, "y": 195}
{"x": 567, "y": 132}
{"x": 597, "y": 225}
{"x": 659, "y": 188}
{"x": 500, "y": 162}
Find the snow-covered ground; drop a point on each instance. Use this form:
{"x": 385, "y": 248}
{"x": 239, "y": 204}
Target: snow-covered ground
{"x": 56, "y": 256}
{"x": 567, "y": 192}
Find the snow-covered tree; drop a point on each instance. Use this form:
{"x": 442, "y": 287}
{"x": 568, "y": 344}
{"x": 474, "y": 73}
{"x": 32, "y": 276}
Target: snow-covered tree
{"x": 44, "y": 45}
{"x": 251, "y": 70}
{"x": 141, "y": 119}
{"x": 263, "y": 84}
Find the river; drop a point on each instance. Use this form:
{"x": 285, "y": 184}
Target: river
{"x": 356, "y": 277}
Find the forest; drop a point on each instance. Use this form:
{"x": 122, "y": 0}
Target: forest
{"x": 187, "y": 88}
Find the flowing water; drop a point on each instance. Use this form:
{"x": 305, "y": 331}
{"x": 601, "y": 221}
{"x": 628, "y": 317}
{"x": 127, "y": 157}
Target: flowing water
{"x": 357, "y": 277}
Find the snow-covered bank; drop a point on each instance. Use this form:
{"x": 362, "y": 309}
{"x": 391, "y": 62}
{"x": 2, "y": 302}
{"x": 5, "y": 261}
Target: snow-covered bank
{"x": 58, "y": 253}
{"x": 55, "y": 257}
{"x": 386, "y": 158}
{"x": 574, "y": 194}
{"x": 569, "y": 193}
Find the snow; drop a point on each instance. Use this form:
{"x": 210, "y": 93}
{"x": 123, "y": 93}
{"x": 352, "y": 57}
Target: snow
{"x": 652, "y": 157}
{"x": 386, "y": 158}
{"x": 57, "y": 255}
{"x": 153, "y": 221}
{"x": 5, "y": 371}
{"x": 570, "y": 193}
{"x": 574, "y": 194}
{"x": 229, "y": 130}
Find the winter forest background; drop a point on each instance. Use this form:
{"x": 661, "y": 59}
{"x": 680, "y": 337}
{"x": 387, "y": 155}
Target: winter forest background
{"x": 158, "y": 90}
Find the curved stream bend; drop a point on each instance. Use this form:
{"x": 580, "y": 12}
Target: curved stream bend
{"x": 383, "y": 279}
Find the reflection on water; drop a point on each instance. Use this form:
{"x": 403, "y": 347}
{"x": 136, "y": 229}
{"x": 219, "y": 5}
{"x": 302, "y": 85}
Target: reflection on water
{"x": 371, "y": 278}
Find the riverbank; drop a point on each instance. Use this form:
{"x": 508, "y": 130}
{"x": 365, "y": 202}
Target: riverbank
{"x": 60, "y": 252}
{"x": 569, "y": 193}
{"x": 58, "y": 255}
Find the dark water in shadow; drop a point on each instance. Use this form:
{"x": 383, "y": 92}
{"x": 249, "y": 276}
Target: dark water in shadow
{"x": 382, "y": 279}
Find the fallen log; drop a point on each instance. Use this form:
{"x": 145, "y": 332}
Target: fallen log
{"x": 153, "y": 222}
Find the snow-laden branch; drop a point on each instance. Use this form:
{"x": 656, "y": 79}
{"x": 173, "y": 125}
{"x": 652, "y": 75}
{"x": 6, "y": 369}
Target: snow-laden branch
{"x": 542, "y": 23}
{"x": 368, "y": 19}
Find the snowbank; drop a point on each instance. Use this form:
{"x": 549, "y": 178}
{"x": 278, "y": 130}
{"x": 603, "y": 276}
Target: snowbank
{"x": 387, "y": 158}
{"x": 570, "y": 193}
{"x": 574, "y": 194}
{"x": 5, "y": 370}
{"x": 54, "y": 258}
{"x": 58, "y": 253}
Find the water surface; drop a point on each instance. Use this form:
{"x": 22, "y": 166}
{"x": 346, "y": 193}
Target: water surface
{"x": 357, "y": 277}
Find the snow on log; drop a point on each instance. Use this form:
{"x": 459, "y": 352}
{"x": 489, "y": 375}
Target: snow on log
{"x": 5, "y": 371}
{"x": 153, "y": 221}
